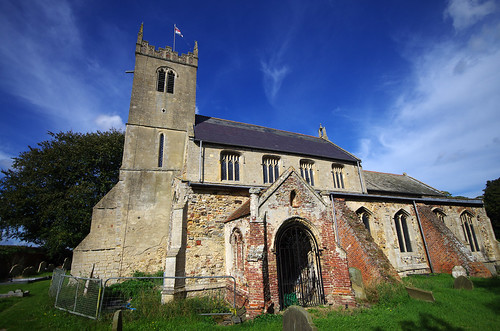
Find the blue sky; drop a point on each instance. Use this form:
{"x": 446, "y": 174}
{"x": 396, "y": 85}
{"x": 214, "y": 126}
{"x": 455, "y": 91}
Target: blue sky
{"x": 407, "y": 86}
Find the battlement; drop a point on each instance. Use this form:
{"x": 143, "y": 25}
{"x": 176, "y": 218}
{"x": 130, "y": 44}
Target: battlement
{"x": 143, "y": 47}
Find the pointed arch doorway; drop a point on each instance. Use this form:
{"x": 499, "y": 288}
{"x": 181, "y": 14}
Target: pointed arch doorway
{"x": 299, "y": 268}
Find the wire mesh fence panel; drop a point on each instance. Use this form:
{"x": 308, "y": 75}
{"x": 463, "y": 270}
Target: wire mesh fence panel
{"x": 79, "y": 296}
{"x": 143, "y": 295}
{"x": 56, "y": 281}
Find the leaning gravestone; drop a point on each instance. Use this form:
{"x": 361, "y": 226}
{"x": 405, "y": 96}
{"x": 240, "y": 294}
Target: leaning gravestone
{"x": 42, "y": 267}
{"x": 419, "y": 294}
{"x": 117, "y": 321}
{"x": 297, "y": 318}
{"x": 29, "y": 271}
{"x": 16, "y": 270}
{"x": 357, "y": 283}
{"x": 462, "y": 282}
{"x": 458, "y": 271}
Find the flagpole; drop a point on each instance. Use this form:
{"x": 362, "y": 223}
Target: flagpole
{"x": 173, "y": 50}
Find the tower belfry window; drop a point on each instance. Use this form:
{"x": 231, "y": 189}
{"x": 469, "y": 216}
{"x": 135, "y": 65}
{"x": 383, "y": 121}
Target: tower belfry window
{"x": 165, "y": 80}
{"x": 170, "y": 82}
{"x": 160, "y": 86}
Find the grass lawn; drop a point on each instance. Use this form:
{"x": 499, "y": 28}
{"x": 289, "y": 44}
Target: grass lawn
{"x": 478, "y": 309}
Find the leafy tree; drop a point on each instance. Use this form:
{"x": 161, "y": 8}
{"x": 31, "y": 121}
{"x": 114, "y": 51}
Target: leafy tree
{"x": 492, "y": 204}
{"x": 48, "y": 195}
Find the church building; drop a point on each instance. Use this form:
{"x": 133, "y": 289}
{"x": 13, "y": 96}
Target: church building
{"x": 284, "y": 213}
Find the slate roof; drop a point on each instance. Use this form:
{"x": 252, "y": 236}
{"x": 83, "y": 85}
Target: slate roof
{"x": 214, "y": 130}
{"x": 401, "y": 184}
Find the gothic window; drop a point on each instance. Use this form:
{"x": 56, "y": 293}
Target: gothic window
{"x": 439, "y": 214}
{"x": 469, "y": 232}
{"x": 237, "y": 250}
{"x": 401, "y": 221}
{"x": 160, "y": 150}
{"x": 365, "y": 216}
{"x": 338, "y": 175}
{"x": 160, "y": 85}
{"x": 170, "y": 82}
{"x": 306, "y": 171}
{"x": 230, "y": 166}
{"x": 270, "y": 169}
{"x": 168, "y": 76}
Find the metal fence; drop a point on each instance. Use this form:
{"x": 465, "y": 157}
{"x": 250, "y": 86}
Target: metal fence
{"x": 91, "y": 297}
{"x": 79, "y": 295}
{"x": 145, "y": 294}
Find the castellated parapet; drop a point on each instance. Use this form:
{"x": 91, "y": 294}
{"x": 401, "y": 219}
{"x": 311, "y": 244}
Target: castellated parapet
{"x": 143, "y": 47}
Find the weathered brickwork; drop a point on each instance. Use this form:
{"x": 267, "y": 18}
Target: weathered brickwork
{"x": 445, "y": 250}
{"x": 362, "y": 252}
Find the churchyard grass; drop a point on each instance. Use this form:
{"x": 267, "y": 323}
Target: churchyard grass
{"x": 478, "y": 309}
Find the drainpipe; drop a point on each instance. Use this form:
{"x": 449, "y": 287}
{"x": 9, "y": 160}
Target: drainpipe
{"x": 337, "y": 237}
{"x": 360, "y": 178}
{"x": 423, "y": 237}
{"x": 201, "y": 153}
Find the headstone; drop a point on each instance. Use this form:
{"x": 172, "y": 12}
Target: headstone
{"x": 297, "y": 318}
{"x": 16, "y": 270}
{"x": 419, "y": 294}
{"x": 458, "y": 270}
{"x": 42, "y": 267}
{"x": 117, "y": 321}
{"x": 357, "y": 283}
{"x": 29, "y": 271}
{"x": 51, "y": 267}
{"x": 67, "y": 264}
{"x": 462, "y": 282}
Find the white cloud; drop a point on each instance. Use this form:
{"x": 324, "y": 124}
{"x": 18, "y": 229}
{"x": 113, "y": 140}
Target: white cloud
{"x": 42, "y": 61}
{"x": 106, "y": 122}
{"x": 466, "y": 13}
{"x": 273, "y": 78}
{"x": 5, "y": 161}
{"x": 444, "y": 129}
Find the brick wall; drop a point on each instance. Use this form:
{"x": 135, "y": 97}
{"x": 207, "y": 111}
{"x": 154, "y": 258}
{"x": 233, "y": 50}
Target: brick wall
{"x": 445, "y": 250}
{"x": 362, "y": 252}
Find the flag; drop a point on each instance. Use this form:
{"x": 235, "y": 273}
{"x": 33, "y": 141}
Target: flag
{"x": 177, "y": 31}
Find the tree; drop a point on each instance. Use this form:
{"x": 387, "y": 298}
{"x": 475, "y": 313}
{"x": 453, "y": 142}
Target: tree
{"x": 492, "y": 204}
{"x": 48, "y": 195}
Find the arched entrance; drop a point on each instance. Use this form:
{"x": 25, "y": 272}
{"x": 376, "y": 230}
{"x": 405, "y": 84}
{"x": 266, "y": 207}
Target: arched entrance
{"x": 299, "y": 269}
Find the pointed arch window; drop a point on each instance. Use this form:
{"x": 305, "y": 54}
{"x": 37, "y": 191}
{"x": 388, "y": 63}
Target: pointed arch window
{"x": 306, "y": 171}
{"x": 469, "y": 232}
{"x": 439, "y": 214}
{"x": 365, "y": 217}
{"x": 401, "y": 222}
{"x": 338, "y": 175}
{"x": 230, "y": 166}
{"x": 165, "y": 75}
{"x": 237, "y": 250}
{"x": 270, "y": 169}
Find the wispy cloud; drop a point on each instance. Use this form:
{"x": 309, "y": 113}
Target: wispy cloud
{"x": 273, "y": 78}
{"x": 444, "y": 128}
{"x": 466, "y": 13}
{"x": 42, "y": 61}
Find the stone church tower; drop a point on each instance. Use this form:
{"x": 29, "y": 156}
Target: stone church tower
{"x": 131, "y": 225}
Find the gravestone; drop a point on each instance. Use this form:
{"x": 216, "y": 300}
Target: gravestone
{"x": 462, "y": 282}
{"x": 67, "y": 264}
{"x": 357, "y": 283}
{"x": 419, "y": 294}
{"x": 117, "y": 321}
{"x": 297, "y": 318}
{"x": 29, "y": 271}
{"x": 42, "y": 267}
{"x": 16, "y": 270}
{"x": 458, "y": 270}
